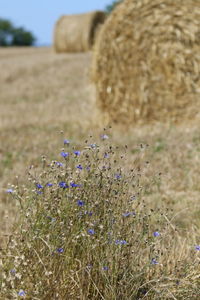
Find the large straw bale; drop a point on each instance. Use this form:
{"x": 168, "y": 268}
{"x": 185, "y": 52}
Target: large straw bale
{"x": 146, "y": 62}
{"x": 76, "y": 33}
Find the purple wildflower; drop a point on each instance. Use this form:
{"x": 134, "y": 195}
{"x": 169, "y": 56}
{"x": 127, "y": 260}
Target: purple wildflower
{"x": 79, "y": 167}
{"x": 49, "y": 184}
{"x": 77, "y": 153}
{"x": 59, "y": 164}
{"x": 105, "y": 268}
{"x": 80, "y": 203}
{"x": 72, "y": 184}
{"x": 91, "y": 231}
{"x": 126, "y": 214}
{"x": 63, "y": 185}
{"x": 64, "y": 154}
{"x": 197, "y": 247}
{"x": 21, "y": 293}
{"x": 120, "y": 242}
{"x": 39, "y": 186}
{"x": 106, "y": 155}
{"x": 60, "y": 250}
{"x": 154, "y": 261}
{"x": 9, "y": 191}
{"x": 66, "y": 142}
{"x": 156, "y": 233}
{"x": 118, "y": 176}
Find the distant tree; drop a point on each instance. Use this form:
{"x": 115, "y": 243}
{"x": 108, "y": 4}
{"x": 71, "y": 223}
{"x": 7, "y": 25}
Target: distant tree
{"x": 22, "y": 37}
{"x": 110, "y": 7}
{"x": 6, "y": 29}
{"x": 14, "y": 36}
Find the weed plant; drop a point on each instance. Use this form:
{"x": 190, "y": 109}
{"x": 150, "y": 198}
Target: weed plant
{"x": 85, "y": 231}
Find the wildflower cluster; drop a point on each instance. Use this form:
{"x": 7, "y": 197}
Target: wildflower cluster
{"x": 87, "y": 232}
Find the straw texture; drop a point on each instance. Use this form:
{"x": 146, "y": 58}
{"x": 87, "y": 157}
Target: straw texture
{"x": 76, "y": 33}
{"x": 146, "y": 63}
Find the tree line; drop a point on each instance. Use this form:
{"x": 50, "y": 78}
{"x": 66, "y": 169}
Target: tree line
{"x": 14, "y": 36}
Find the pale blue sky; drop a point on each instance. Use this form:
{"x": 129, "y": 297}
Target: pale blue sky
{"x": 39, "y": 16}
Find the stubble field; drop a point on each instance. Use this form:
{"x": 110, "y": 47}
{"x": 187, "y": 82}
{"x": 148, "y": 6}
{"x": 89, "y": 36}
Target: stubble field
{"x": 43, "y": 94}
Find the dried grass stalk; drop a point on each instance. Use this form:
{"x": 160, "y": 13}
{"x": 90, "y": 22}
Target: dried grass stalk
{"x": 146, "y": 62}
{"x": 76, "y": 33}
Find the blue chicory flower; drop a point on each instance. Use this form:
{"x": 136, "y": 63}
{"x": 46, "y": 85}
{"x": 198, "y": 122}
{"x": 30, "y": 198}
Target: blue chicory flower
{"x": 66, "y": 142}
{"x": 120, "y": 242}
{"x": 91, "y": 231}
{"x": 79, "y": 167}
{"x": 39, "y": 186}
{"x": 197, "y": 247}
{"x": 63, "y": 185}
{"x": 21, "y": 293}
{"x": 80, "y": 203}
{"x": 59, "y": 164}
{"x": 9, "y": 191}
{"x": 154, "y": 261}
{"x": 126, "y": 214}
{"x": 77, "y": 153}
{"x": 105, "y": 268}
{"x": 156, "y": 233}
{"x": 49, "y": 184}
{"x": 64, "y": 154}
{"x": 60, "y": 250}
{"x": 118, "y": 176}
{"x": 72, "y": 184}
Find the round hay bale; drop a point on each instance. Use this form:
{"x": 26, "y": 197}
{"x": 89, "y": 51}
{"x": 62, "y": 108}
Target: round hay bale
{"x": 146, "y": 63}
{"x": 76, "y": 33}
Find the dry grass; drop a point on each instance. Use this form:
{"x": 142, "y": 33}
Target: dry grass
{"x": 42, "y": 94}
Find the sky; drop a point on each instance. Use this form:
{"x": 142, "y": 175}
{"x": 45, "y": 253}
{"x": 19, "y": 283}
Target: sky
{"x": 40, "y": 16}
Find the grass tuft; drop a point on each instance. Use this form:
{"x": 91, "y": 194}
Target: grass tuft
{"x": 86, "y": 231}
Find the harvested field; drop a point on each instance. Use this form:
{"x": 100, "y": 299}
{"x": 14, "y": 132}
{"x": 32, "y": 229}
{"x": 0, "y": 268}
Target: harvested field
{"x": 43, "y": 94}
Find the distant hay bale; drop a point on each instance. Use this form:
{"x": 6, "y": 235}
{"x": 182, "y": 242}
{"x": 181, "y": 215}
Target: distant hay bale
{"x": 76, "y": 33}
{"x": 146, "y": 62}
